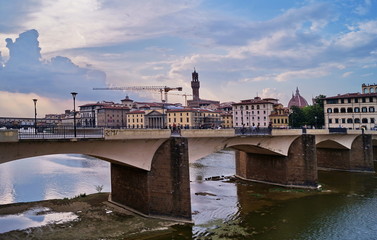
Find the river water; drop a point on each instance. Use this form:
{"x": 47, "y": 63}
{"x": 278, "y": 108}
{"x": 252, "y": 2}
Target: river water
{"x": 222, "y": 209}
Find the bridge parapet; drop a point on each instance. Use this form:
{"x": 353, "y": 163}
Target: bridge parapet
{"x": 285, "y": 132}
{"x": 199, "y": 133}
{"x": 9, "y": 135}
{"x": 122, "y": 134}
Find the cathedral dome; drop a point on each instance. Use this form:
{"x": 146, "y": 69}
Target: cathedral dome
{"x": 297, "y": 100}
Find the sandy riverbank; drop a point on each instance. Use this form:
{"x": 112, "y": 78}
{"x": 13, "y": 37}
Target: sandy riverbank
{"x": 97, "y": 219}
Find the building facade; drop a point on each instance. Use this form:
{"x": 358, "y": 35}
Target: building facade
{"x": 279, "y": 117}
{"x": 253, "y": 112}
{"x": 193, "y": 118}
{"x": 352, "y": 110}
{"x": 155, "y": 118}
{"x": 135, "y": 119}
{"x": 226, "y": 120}
{"x": 112, "y": 116}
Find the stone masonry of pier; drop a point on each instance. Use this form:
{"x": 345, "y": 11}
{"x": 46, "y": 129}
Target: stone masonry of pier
{"x": 162, "y": 192}
{"x": 299, "y": 168}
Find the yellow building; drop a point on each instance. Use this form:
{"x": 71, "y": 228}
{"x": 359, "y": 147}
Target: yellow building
{"x": 135, "y": 119}
{"x": 226, "y": 120}
{"x": 193, "y": 118}
{"x": 279, "y": 116}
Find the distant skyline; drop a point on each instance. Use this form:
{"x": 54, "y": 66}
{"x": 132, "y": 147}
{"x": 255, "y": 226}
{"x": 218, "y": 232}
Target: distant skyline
{"x": 240, "y": 49}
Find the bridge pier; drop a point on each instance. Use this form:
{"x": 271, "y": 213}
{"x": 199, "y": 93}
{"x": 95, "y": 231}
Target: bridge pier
{"x": 358, "y": 158}
{"x": 164, "y": 191}
{"x": 298, "y": 169}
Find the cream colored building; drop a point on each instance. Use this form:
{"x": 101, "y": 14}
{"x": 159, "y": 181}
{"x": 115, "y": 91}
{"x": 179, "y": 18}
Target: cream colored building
{"x": 226, "y": 120}
{"x": 279, "y": 117}
{"x": 352, "y": 110}
{"x": 135, "y": 119}
{"x": 193, "y": 118}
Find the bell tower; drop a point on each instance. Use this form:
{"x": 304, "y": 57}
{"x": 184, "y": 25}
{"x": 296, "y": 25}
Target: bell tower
{"x": 195, "y": 85}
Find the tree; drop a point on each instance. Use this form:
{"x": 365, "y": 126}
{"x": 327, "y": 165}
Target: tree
{"x": 311, "y": 116}
{"x": 297, "y": 117}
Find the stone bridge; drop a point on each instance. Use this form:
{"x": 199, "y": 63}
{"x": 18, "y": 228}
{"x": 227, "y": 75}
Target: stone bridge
{"x": 150, "y": 168}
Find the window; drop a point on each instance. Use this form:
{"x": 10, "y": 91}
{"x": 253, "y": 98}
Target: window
{"x": 349, "y": 110}
{"x": 371, "y": 109}
{"x": 336, "y": 120}
{"x": 343, "y": 120}
{"x": 329, "y": 110}
{"x": 349, "y": 120}
{"x": 372, "y": 120}
{"x": 332, "y": 101}
{"x": 336, "y": 110}
{"x": 330, "y": 120}
{"x": 187, "y": 120}
{"x": 342, "y": 110}
{"x": 364, "y": 109}
{"x": 357, "y": 120}
{"x": 342, "y": 100}
{"x": 257, "y": 106}
{"x": 356, "y": 100}
{"x": 371, "y": 99}
{"x": 357, "y": 109}
{"x": 363, "y": 100}
{"x": 364, "y": 120}
{"x": 349, "y": 100}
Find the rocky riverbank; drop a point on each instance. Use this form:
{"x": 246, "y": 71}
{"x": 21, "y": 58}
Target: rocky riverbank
{"x": 94, "y": 218}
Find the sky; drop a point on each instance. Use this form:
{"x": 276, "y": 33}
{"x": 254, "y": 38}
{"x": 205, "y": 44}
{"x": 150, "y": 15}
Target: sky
{"x": 240, "y": 48}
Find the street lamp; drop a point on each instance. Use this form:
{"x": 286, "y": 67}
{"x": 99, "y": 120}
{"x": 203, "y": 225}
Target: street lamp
{"x": 74, "y": 111}
{"x": 315, "y": 126}
{"x": 35, "y": 115}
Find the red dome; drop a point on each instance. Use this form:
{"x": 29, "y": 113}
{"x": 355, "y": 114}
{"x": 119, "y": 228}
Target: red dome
{"x": 297, "y": 100}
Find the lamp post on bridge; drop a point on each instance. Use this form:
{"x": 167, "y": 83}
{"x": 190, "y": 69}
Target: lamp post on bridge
{"x": 35, "y": 115}
{"x": 74, "y": 112}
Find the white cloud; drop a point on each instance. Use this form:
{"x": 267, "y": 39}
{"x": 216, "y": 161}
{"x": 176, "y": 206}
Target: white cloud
{"x": 346, "y": 74}
{"x": 301, "y": 74}
{"x": 273, "y": 93}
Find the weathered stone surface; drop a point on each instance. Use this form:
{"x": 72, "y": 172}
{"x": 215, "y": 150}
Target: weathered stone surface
{"x": 163, "y": 191}
{"x": 358, "y": 158}
{"x": 299, "y": 168}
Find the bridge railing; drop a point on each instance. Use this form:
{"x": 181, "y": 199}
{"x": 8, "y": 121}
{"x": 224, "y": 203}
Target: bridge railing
{"x": 252, "y": 131}
{"x": 59, "y": 132}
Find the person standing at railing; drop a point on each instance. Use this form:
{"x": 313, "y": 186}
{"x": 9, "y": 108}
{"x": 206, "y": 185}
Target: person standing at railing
{"x": 270, "y": 128}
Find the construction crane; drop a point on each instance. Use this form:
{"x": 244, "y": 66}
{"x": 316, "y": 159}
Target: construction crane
{"x": 183, "y": 95}
{"x": 162, "y": 89}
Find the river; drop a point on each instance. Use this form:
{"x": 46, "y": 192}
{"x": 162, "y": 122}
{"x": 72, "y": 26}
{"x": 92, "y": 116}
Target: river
{"x": 222, "y": 209}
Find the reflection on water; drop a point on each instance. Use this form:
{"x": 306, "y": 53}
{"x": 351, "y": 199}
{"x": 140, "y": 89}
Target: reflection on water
{"x": 52, "y": 176}
{"x": 35, "y": 217}
{"x": 225, "y": 209}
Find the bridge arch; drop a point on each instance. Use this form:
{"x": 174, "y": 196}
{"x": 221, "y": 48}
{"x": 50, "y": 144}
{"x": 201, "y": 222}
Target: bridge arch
{"x": 347, "y": 152}
{"x": 137, "y": 153}
{"x": 203, "y": 146}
